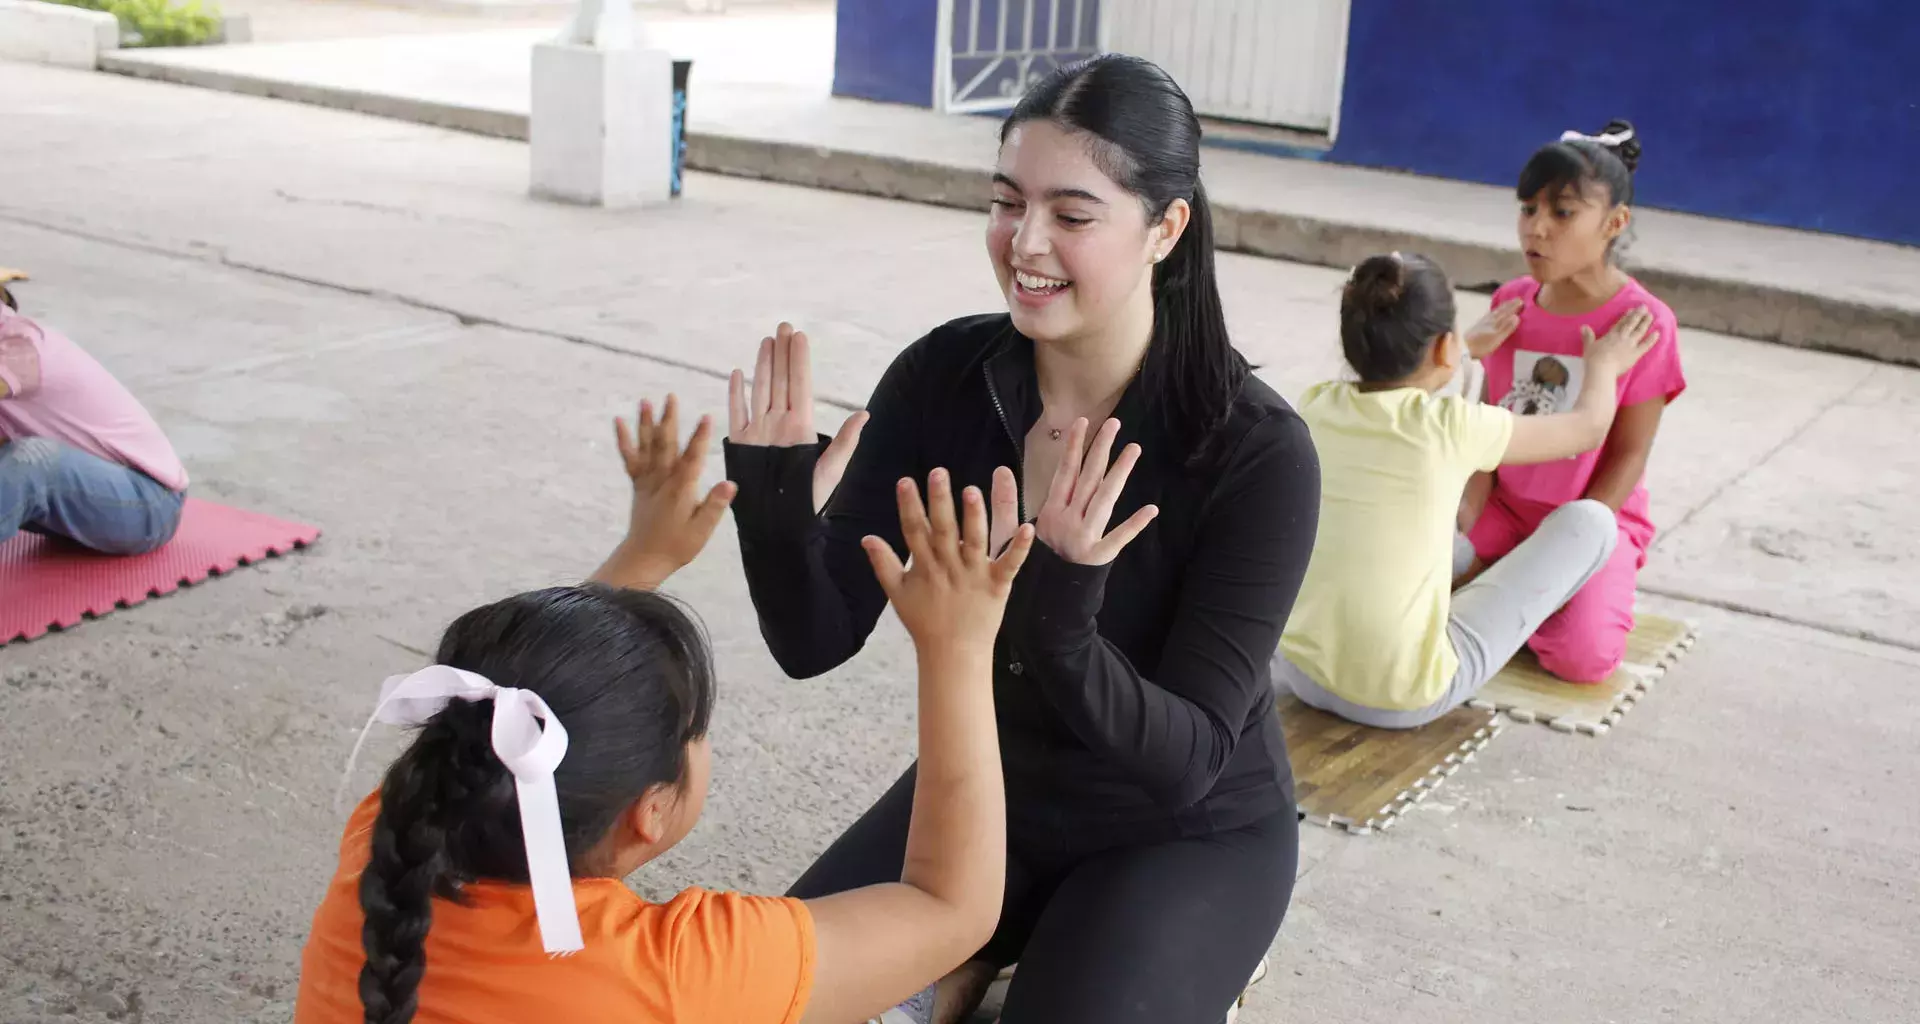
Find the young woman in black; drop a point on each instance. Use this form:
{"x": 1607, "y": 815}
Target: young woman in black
{"x": 1151, "y": 829}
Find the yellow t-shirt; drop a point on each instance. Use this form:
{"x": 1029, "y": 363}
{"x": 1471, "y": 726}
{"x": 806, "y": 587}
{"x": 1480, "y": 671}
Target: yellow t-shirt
{"x": 1370, "y": 623}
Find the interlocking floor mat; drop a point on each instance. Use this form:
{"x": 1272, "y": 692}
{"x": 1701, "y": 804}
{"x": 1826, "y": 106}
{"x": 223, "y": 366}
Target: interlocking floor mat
{"x": 1359, "y": 779}
{"x": 1527, "y": 693}
{"x": 47, "y": 585}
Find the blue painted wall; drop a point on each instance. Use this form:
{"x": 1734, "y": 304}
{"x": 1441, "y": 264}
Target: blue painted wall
{"x": 1804, "y": 113}
{"x": 884, "y": 50}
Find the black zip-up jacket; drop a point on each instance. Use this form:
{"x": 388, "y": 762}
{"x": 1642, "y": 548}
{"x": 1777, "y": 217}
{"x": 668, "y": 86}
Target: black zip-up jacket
{"x": 1133, "y": 699}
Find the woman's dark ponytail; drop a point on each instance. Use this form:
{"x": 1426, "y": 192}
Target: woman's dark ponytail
{"x": 1198, "y": 371}
{"x": 1148, "y": 142}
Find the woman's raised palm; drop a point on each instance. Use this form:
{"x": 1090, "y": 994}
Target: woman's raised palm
{"x": 777, "y": 411}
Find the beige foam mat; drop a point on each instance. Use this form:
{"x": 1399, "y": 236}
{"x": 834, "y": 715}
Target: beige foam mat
{"x": 1525, "y": 692}
{"x": 1360, "y": 779}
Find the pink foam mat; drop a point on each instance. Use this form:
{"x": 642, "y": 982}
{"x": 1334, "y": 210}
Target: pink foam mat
{"x": 47, "y": 585}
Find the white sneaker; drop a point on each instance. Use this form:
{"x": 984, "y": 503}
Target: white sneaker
{"x": 1259, "y": 973}
{"x": 917, "y": 1010}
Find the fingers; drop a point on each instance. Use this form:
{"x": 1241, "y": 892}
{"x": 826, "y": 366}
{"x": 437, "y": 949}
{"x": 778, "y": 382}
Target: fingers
{"x": 706, "y": 515}
{"x": 974, "y": 537}
{"x": 945, "y": 537}
{"x": 886, "y": 565}
{"x": 1642, "y": 326}
{"x": 666, "y": 437}
{"x": 763, "y": 379}
{"x": 738, "y": 413}
{"x": 1064, "y": 477}
{"x": 1094, "y": 467}
{"x": 782, "y": 366}
{"x": 694, "y": 458}
{"x": 1637, "y": 319}
{"x": 643, "y": 432}
{"x": 832, "y": 463}
{"x": 800, "y": 374}
{"x": 1113, "y": 543}
{"x": 623, "y": 440}
{"x": 1006, "y": 508}
{"x": 1647, "y": 341}
{"x": 1100, "y": 509}
{"x": 913, "y": 521}
{"x": 1008, "y": 564}
{"x": 1587, "y": 339}
{"x": 840, "y": 449}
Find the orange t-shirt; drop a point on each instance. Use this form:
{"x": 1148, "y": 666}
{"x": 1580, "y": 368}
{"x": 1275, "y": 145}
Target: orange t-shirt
{"x": 703, "y": 957}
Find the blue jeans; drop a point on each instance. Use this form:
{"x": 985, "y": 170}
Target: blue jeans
{"x": 50, "y": 488}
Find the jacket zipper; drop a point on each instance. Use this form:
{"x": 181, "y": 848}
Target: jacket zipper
{"x": 1019, "y": 469}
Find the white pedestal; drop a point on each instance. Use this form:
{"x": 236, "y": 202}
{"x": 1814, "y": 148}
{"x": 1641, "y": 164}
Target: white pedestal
{"x": 601, "y": 124}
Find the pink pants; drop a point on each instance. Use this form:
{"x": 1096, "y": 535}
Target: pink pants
{"x": 1587, "y": 638}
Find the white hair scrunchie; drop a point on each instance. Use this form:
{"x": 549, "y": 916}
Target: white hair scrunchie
{"x": 1609, "y": 140}
{"x": 529, "y": 751}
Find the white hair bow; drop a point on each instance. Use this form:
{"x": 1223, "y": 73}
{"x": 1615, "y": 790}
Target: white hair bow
{"x": 1609, "y": 139}
{"x": 530, "y": 752}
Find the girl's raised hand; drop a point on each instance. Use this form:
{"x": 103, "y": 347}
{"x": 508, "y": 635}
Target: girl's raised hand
{"x": 670, "y": 521}
{"x": 1631, "y": 337}
{"x": 1490, "y": 332}
{"x": 777, "y": 411}
{"x": 1074, "y": 520}
{"x": 952, "y": 591}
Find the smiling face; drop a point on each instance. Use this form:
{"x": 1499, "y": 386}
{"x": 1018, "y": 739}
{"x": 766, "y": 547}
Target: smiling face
{"x": 1569, "y": 230}
{"x": 1072, "y": 249}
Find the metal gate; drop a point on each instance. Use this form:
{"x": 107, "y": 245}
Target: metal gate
{"x": 990, "y": 51}
{"x": 1276, "y": 62}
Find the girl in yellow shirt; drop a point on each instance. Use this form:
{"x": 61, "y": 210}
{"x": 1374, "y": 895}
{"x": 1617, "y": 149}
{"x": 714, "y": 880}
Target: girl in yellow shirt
{"x": 1378, "y": 635}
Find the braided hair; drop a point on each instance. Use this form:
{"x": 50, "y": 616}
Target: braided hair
{"x": 628, "y": 671}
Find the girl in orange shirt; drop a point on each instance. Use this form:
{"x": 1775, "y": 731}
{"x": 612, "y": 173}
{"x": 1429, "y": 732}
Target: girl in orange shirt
{"x": 562, "y": 746}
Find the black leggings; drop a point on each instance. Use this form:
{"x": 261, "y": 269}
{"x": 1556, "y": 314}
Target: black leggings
{"x": 1166, "y": 933}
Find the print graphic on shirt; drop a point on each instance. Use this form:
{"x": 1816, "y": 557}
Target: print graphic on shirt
{"x": 1544, "y": 383}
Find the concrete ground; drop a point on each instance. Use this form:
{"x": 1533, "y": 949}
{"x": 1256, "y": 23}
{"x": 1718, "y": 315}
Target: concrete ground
{"x": 366, "y": 325}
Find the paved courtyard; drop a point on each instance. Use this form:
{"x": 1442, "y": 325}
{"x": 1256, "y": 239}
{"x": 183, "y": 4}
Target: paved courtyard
{"x": 366, "y": 325}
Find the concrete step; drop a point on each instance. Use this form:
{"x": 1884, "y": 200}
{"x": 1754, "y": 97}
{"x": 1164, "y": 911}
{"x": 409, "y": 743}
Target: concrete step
{"x": 777, "y": 123}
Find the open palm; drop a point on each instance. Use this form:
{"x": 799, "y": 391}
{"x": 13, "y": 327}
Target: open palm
{"x": 777, "y": 411}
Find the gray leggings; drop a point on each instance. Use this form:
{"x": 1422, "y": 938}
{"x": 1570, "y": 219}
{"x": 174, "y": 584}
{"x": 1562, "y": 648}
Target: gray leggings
{"x": 1495, "y": 615}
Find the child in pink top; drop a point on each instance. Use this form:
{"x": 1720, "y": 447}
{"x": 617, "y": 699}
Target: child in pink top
{"x": 1575, "y": 198}
{"x": 80, "y": 458}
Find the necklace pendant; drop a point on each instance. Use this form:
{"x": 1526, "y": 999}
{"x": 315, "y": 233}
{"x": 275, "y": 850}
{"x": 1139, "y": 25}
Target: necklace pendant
{"x": 1052, "y": 433}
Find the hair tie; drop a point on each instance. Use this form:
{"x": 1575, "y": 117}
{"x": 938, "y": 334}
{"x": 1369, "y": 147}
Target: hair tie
{"x": 529, "y": 751}
{"x": 1608, "y": 139}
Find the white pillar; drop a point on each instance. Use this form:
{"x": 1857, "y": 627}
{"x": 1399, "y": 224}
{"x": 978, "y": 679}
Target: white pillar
{"x": 601, "y": 121}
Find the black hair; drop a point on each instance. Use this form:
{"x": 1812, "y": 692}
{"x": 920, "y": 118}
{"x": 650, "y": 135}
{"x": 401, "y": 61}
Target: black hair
{"x": 1391, "y": 311}
{"x": 1574, "y": 164}
{"x": 1149, "y": 143}
{"x": 626, "y": 671}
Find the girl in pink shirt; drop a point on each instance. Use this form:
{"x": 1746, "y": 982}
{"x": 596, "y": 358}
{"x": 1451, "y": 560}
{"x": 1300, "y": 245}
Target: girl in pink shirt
{"x": 80, "y": 458}
{"x": 1575, "y": 203}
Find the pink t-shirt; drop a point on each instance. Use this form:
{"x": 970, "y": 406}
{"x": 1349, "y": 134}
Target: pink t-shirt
{"x": 1540, "y": 370}
{"x": 56, "y": 390}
